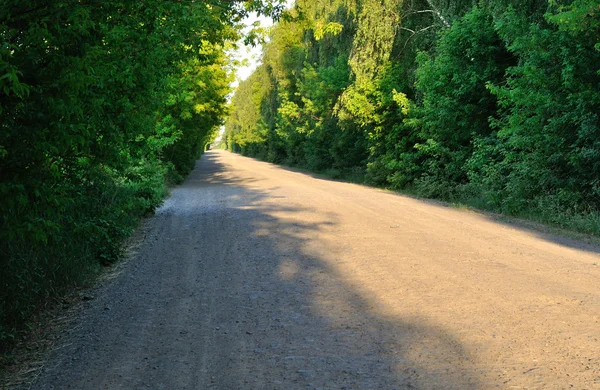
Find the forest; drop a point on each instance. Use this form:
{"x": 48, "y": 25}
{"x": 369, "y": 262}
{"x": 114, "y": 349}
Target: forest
{"x": 103, "y": 105}
{"x": 491, "y": 104}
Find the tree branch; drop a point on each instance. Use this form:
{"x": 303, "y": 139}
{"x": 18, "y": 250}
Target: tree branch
{"x": 438, "y": 13}
{"x": 413, "y": 34}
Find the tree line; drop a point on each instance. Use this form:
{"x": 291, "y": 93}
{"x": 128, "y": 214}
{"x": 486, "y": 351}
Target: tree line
{"x": 102, "y": 104}
{"x": 494, "y": 104}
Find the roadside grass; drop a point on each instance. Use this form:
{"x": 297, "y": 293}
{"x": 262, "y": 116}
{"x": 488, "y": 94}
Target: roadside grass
{"x": 545, "y": 214}
{"x": 39, "y": 280}
{"x": 25, "y": 355}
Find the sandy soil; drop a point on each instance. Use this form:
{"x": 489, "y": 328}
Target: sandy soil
{"x": 257, "y": 277}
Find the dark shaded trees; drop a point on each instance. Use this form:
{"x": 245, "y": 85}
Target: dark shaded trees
{"x": 100, "y": 102}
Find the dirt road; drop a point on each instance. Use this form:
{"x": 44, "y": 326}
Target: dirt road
{"x": 257, "y": 277}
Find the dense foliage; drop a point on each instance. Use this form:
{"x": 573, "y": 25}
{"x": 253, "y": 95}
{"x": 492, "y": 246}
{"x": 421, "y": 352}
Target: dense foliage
{"x": 100, "y": 103}
{"x": 495, "y": 103}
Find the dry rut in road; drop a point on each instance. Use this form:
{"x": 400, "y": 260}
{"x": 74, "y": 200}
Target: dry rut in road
{"x": 257, "y": 277}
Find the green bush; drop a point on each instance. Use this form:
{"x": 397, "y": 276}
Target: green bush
{"x": 100, "y": 103}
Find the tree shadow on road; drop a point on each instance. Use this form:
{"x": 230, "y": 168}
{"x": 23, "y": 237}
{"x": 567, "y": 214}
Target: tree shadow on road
{"x": 286, "y": 317}
{"x": 238, "y": 287}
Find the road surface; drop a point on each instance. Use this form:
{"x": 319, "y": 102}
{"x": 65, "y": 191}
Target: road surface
{"x": 253, "y": 276}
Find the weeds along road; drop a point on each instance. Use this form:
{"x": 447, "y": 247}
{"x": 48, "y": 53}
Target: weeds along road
{"x": 256, "y": 277}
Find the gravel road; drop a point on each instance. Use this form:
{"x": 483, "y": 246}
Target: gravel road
{"x": 252, "y": 276}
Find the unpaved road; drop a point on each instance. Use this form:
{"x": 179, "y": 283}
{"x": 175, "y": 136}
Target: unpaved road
{"x": 257, "y": 277}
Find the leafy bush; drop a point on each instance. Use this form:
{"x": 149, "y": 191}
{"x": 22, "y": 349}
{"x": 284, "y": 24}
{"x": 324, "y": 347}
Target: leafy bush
{"x": 99, "y": 102}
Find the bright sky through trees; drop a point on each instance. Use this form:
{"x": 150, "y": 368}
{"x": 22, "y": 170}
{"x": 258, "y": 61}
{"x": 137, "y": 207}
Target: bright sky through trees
{"x": 251, "y": 53}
